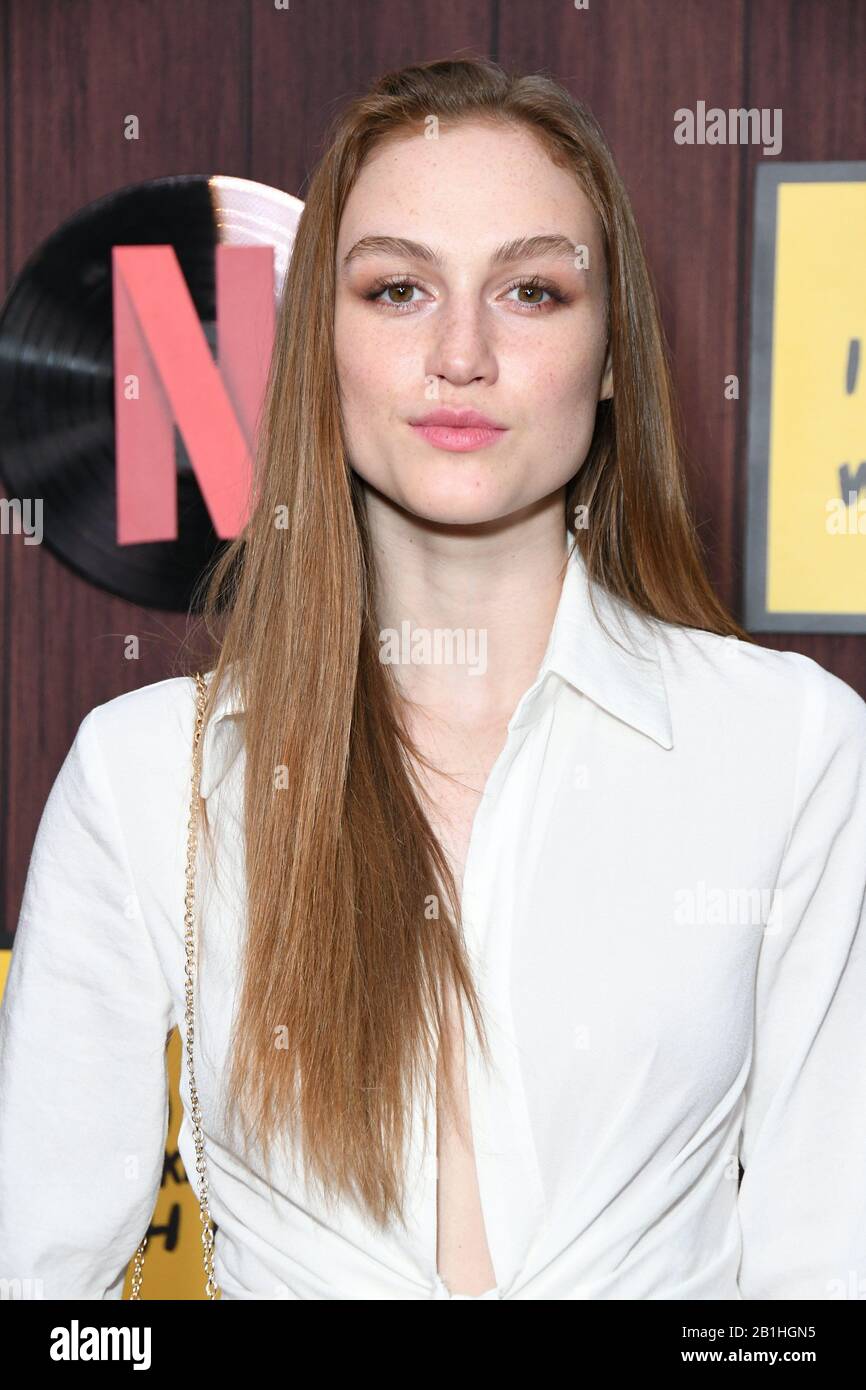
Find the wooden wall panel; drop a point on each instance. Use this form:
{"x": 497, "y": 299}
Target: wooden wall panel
{"x": 307, "y": 62}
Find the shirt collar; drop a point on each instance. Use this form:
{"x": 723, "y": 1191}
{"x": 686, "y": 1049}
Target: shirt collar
{"x": 627, "y": 681}
{"x": 222, "y": 738}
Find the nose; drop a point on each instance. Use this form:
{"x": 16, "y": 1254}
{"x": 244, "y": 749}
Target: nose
{"x": 461, "y": 348}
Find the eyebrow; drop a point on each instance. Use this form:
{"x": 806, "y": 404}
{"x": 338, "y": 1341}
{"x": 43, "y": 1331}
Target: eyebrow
{"x": 521, "y": 249}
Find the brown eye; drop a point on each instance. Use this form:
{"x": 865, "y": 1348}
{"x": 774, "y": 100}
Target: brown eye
{"x": 396, "y": 290}
{"x": 539, "y": 288}
{"x": 394, "y": 294}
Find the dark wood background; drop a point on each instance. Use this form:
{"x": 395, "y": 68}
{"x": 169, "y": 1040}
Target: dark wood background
{"x": 239, "y": 87}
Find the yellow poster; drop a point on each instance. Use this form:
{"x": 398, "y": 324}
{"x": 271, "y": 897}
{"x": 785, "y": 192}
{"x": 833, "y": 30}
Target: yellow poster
{"x": 807, "y": 441}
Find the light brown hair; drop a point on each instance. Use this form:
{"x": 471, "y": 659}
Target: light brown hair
{"x": 342, "y": 862}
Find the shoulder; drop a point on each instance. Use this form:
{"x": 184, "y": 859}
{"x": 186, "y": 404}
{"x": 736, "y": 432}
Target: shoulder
{"x": 760, "y": 688}
{"x": 159, "y": 715}
{"x": 119, "y": 802}
{"x": 132, "y": 756}
{"x": 139, "y": 744}
{"x": 145, "y": 740}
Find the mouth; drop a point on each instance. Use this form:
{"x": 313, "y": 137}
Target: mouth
{"x": 458, "y": 431}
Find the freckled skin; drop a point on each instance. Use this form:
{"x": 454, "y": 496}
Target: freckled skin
{"x": 540, "y": 372}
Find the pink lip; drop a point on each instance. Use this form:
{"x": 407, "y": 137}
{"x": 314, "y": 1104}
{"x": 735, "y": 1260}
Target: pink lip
{"x": 459, "y": 431}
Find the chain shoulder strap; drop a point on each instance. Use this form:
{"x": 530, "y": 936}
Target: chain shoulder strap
{"x": 211, "y": 1286}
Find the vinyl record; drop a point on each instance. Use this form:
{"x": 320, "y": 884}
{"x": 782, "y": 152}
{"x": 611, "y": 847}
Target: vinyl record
{"x": 57, "y": 373}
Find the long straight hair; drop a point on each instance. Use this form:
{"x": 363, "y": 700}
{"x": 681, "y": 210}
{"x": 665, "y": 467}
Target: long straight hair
{"x": 353, "y": 933}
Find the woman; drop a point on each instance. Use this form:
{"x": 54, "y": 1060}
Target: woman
{"x": 533, "y": 904}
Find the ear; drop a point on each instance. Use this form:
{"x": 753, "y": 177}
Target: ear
{"x": 606, "y": 389}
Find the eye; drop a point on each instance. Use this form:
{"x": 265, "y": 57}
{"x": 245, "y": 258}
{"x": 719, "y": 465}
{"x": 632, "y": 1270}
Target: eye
{"x": 535, "y": 285}
{"x": 399, "y": 284}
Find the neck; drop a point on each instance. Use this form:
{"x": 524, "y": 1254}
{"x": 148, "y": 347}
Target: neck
{"x": 471, "y": 607}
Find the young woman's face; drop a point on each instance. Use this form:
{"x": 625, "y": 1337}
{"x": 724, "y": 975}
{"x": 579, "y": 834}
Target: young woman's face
{"x": 461, "y": 333}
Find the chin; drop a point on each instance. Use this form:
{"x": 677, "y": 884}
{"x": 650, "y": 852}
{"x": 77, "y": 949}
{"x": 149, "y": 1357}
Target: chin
{"x": 456, "y": 506}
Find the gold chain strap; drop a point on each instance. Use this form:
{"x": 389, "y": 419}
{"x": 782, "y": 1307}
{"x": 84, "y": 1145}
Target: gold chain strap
{"x": 211, "y": 1287}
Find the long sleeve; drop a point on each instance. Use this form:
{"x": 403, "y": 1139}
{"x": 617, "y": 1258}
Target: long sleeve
{"x": 802, "y": 1200}
{"x": 83, "y": 1028}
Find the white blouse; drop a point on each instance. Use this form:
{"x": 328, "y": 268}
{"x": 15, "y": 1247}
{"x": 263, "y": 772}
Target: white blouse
{"x": 664, "y": 908}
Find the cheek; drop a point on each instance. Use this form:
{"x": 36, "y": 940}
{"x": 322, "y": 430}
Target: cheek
{"x": 373, "y": 372}
{"x": 360, "y": 386}
{"x": 563, "y": 397}
{"x": 352, "y": 353}
{"x": 560, "y": 401}
{"x": 561, "y": 370}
